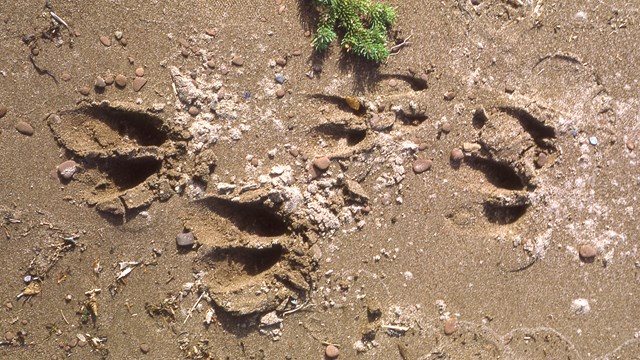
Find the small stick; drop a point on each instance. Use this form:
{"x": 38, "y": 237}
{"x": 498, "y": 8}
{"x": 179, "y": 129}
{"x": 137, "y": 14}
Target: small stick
{"x": 63, "y": 317}
{"x": 396, "y": 328}
{"x": 193, "y": 307}
{"x": 403, "y": 43}
{"x": 296, "y": 309}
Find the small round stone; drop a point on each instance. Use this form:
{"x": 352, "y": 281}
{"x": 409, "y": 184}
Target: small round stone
{"x": 450, "y": 95}
{"x": 450, "y": 326}
{"x": 457, "y": 155}
{"x": 281, "y": 61}
{"x": 421, "y": 165}
{"x": 423, "y": 146}
{"x": 35, "y": 51}
{"x": 9, "y": 335}
{"x": 446, "y": 128}
{"x": 630, "y": 144}
{"x": 3, "y": 110}
{"x": 67, "y": 169}
{"x": 138, "y": 83}
{"x": 121, "y": 80}
{"x": 393, "y": 82}
{"x": 108, "y": 79}
{"x": 322, "y": 163}
{"x": 211, "y": 64}
{"x": 185, "y": 239}
{"x": 65, "y": 77}
{"x": 145, "y": 348}
{"x": 587, "y": 251}
{"x": 332, "y": 351}
{"x": 118, "y": 35}
{"x": 24, "y": 128}
{"x": 9, "y": 305}
{"x": 105, "y": 40}
{"x": 542, "y": 159}
{"x": 100, "y": 83}
{"x": 84, "y": 90}
{"x": 237, "y": 60}
{"x": 211, "y": 32}
{"x": 185, "y": 52}
{"x": 194, "y": 111}
{"x": 280, "y": 93}
{"x": 294, "y": 152}
{"x": 140, "y": 71}
{"x": 255, "y": 162}
{"x": 124, "y": 41}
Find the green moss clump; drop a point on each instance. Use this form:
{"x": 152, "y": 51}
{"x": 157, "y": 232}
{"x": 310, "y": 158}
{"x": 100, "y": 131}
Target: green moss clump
{"x": 365, "y": 25}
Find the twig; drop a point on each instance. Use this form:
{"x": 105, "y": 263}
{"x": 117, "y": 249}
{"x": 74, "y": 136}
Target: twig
{"x": 398, "y": 46}
{"x": 306, "y": 304}
{"x": 40, "y": 70}
{"x": 396, "y": 328}
{"x": 193, "y": 307}
{"x": 64, "y": 317}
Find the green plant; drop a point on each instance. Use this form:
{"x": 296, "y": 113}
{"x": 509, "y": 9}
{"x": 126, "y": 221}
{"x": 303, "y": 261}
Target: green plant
{"x": 365, "y": 26}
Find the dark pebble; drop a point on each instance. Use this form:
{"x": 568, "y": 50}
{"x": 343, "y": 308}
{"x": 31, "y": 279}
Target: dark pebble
{"x": 450, "y": 326}
{"x": 3, "y": 111}
{"x": 105, "y": 40}
{"x": 317, "y": 68}
{"x": 84, "y": 90}
{"x": 421, "y": 165}
{"x": 322, "y": 163}
{"x": 457, "y": 155}
{"x": 67, "y": 169}
{"x": 100, "y": 83}
{"x": 145, "y": 348}
{"x": 194, "y": 111}
{"x": 124, "y": 41}
{"x": 138, "y": 83}
{"x": 237, "y": 61}
{"x": 332, "y": 351}
{"x": 475, "y": 2}
{"x": 185, "y": 239}
{"x": 280, "y": 93}
{"x": 281, "y": 61}
{"x": 140, "y": 71}
{"x": 24, "y": 128}
{"x": 121, "y": 80}
{"x": 587, "y": 251}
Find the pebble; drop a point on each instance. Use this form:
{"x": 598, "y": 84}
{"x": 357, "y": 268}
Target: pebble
{"x": 450, "y": 95}
{"x": 593, "y": 140}
{"x": 108, "y": 79}
{"x": 224, "y": 70}
{"x": 84, "y": 90}
{"x": 630, "y": 143}
{"x": 145, "y": 348}
{"x": 9, "y": 305}
{"x": 3, "y": 111}
{"x": 35, "y": 51}
{"x": 9, "y": 335}
{"x": 140, "y": 71}
{"x": 294, "y": 152}
{"x": 121, "y": 80}
{"x": 185, "y": 52}
{"x": 457, "y": 155}
{"x": 423, "y": 146}
{"x": 280, "y": 93}
{"x": 105, "y": 40}
{"x": 138, "y": 83}
{"x": 450, "y": 326}
{"x": 322, "y": 163}
{"x": 24, "y": 128}
{"x": 587, "y": 251}
{"x": 194, "y": 111}
{"x": 185, "y": 239}
{"x": 100, "y": 83}
{"x": 124, "y": 41}
{"x": 237, "y": 61}
{"x": 279, "y": 78}
{"x": 67, "y": 169}
{"x": 332, "y": 351}
{"x": 281, "y": 61}
{"x": 446, "y": 128}
{"x": 211, "y": 64}
{"x": 393, "y": 83}
{"x": 118, "y": 34}
{"x": 542, "y": 159}
{"x": 421, "y": 165}
{"x": 211, "y": 32}
{"x": 65, "y": 77}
